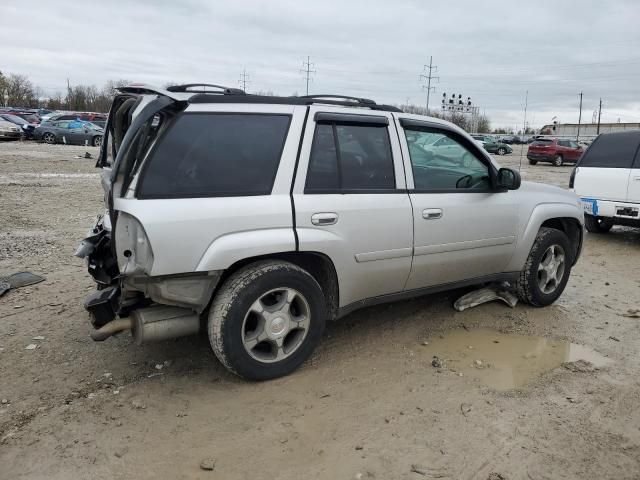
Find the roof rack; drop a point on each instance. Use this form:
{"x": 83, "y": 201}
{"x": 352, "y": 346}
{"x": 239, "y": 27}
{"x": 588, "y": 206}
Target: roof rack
{"x": 188, "y": 87}
{"x": 339, "y": 100}
{"x": 364, "y": 101}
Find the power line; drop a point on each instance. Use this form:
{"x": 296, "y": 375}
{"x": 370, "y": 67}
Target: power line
{"x": 430, "y": 68}
{"x": 244, "y": 79}
{"x": 306, "y": 69}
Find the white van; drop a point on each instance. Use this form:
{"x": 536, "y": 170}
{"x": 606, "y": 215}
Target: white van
{"x": 607, "y": 179}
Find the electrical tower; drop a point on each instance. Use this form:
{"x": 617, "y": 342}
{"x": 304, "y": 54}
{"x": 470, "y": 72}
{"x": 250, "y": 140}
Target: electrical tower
{"x": 428, "y": 77}
{"x": 599, "y": 113}
{"x": 244, "y": 79}
{"x": 579, "y": 119}
{"x": 306, "y": 70}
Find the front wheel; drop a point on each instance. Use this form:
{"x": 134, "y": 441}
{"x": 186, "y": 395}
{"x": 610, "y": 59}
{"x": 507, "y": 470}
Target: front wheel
{"x": 597, "y": 224}
{"x": 49, "y": 138}
{"x": 266, "y": 320}
{"x": 97, "y": 141}
{"x": 557, "y": 161}
{"x": 546, "y": 273}
{"x": 533, "y": 162}
{"x": 502, "y": 151}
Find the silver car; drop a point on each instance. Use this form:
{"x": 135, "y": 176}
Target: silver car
{"x": 260, "y": 218}
{"x": 71, "y": 132}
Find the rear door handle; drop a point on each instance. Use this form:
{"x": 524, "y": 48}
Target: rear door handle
{"x": 324, "y": 218}
{"x": 432, "y": 213}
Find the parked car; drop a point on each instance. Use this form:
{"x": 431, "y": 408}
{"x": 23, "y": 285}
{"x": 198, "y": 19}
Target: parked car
{"x": 26, "y": 128}
{"x": 509, "y": 139}
{"x": 607, "y": 179}
{"x": 9, "y": 131}
{"x": 267, "y": 216}
{"x": 497, "y": 147}
{"x": 554, "y": 150}
{"x": 484, "y": 138}
{"x": 70, "y": 132}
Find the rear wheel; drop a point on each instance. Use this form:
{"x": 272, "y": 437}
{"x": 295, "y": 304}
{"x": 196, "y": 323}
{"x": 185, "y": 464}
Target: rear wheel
{"x": 547, "y": 270}
{"x": 266, "y": 320}
{"x": 597, "y": 224}
{"x": 49, "y": 138}
{"x": 502, "y": 151}
{"x": 557, "y": 161}
{"x": 533, "y": 162}
{"x": 97, "y": 141}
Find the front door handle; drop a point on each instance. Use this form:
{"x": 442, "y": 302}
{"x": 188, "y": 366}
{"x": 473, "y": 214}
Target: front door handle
{"x": 324, "y": 218}
{"x": 432, "y": 213}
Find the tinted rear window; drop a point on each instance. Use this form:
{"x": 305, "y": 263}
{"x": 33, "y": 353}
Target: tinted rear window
{"x": 208, "y": 155}
{"x": 614, "y": 150}
{"x": 542, "y": 143}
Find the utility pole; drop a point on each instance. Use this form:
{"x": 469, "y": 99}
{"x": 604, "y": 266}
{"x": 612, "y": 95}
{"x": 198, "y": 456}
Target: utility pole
{"x": 430, "y": 68}
{"x": 524, "y": 125}
{"x": 579, "y": 119}
{"x": 244, "y": 79}
{"x": 599, "y": 113}
{"x": 306, "y": 70}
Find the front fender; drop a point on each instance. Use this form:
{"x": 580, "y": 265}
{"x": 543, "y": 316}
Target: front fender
{"x": 540, "y": 214}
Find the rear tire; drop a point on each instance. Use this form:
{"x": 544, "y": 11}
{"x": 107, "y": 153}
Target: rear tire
{"x": 266, "y": 319}
{"x": 557, "y": 161}
{"x": 597, "y": 224}
{"x": 502, "y": 151}
{"x": 533, "y": 162}
{"x": 546, "y": 272}
{"x": 97, "y": 141}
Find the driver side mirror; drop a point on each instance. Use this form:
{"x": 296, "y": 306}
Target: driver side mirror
{"x": 508, "y": 179}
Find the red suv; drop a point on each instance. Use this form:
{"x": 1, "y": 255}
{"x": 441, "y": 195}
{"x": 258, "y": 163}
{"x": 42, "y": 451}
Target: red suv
{"x": 554, "y": 150}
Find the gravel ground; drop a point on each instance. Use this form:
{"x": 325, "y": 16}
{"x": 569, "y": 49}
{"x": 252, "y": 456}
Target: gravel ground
{"x": 368, "y": 404}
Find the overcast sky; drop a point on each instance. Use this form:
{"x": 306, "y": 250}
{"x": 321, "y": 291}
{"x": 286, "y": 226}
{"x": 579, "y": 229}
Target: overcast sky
{"x": 491, "y": 51}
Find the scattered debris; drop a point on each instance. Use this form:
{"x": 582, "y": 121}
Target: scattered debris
{"x": 358, "y": 447}
{"x": 427, "y": 471}
{"x": 436, "y": 362}
{"x": 496, "y": 476}
{"x": 425, "y": 343}
{"x": 159, "y": 366}
{"x": 478, "y": 363}
{"x": 5, "y": 401}
{"x": 137, "y": 404}
{"x": 38, "y": 337}
{"x": 121, "y": 452}
{"x": 632, "y": 313}
{"x": 208, "y": 464}
{"x": 579, "y": 366}
{"x": 17, "y": 280}
{"x": 498, "y": 291}
{"x": 615, "y": 339}
{"x": 465, "y": 408}
{"x": 31, "y": 346}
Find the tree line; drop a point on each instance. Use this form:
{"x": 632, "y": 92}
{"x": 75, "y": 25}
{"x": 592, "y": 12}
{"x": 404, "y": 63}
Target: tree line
{"x": 470, "y": 123}
{"x": 18, "y": 91}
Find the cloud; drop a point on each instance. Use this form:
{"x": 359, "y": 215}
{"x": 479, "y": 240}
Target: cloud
{"x": 492, "y": 51}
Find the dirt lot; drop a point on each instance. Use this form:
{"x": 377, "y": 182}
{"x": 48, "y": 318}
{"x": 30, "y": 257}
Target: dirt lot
{"x": 369, "y": 404}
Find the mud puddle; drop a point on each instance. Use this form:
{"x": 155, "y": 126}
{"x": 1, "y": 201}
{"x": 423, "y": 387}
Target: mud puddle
{"x": 504, "y": 361}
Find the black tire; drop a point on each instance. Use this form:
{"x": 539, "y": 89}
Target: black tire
{"x": 597, "y": 224}
{"x": 231, "y": 305}
{"x": 527, "y": 285}
{"x": 96, "y": 141}
{"x": 533, "y": 162}
{"x": 558, "y": 161}
{"x": 49, "y": 138}
{"x": 502, "y": 151}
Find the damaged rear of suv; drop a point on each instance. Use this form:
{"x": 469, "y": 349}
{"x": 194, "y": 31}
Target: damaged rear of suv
{"x": 258, "y": 218}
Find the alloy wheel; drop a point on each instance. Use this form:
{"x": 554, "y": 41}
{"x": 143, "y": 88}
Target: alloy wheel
{"x": 276, "y": 325}
{"x": 551, "y": 269}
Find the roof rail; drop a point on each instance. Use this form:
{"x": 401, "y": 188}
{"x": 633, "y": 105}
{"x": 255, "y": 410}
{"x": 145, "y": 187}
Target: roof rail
{"x": 364, "y": 101}
{"x": 188, "y": 87}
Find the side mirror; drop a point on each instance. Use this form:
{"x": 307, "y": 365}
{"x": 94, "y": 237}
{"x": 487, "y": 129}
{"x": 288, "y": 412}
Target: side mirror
{"x": 508, "y": 179}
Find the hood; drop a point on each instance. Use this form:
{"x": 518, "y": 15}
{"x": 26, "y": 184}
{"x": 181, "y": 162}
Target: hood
{"x": 550, "y": 193}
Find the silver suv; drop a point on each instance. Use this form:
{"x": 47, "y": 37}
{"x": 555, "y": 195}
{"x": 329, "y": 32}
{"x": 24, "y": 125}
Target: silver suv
{"x": 259, "y": 218}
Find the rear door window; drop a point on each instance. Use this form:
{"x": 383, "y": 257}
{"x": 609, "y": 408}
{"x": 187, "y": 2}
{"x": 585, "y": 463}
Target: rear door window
{"x": 614, "y": 150}
{"x": 350, "y": 158}
{"x": 210, "y": 155}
